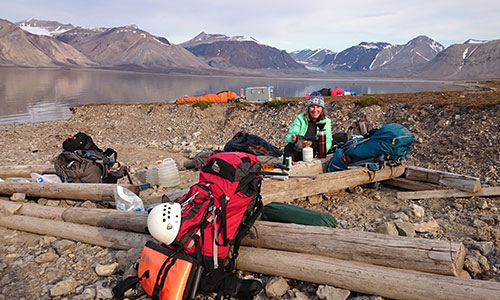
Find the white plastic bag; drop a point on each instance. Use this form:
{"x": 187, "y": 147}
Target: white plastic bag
{"x": 127, "y": 200}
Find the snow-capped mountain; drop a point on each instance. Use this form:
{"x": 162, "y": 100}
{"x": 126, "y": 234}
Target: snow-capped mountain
{"x": 41, "y": 27}
{"x": 311, "y": 58}
{"x": 206, "y": 38}
{"x": 408, "y": 57}
{"x": 223, "y": 52}
{"x": 355, "y": 58}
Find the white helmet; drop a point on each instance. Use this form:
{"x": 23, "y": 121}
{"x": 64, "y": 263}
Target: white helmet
{"x": 164, "y": 221}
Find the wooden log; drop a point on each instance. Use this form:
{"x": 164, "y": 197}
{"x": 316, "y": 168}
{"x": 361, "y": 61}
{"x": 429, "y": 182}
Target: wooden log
{"x": 433, "y": 256}
{"x": 361, "y": 277}
{"x": 412, "y": 185}
{"x": 364, "y": 278}
{"x": 71, "y": 191}
{"x": 288, "y": 190}
{"x": 25, "y": 170}
{"x": 484, "y": 192}
{"x": 455, "y": 181}
{"x": 107, "y": 218}
{"x": 92, "y": 235}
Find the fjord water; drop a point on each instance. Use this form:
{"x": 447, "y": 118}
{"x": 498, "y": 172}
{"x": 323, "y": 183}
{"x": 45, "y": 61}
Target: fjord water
{"x": 34, "y": 95}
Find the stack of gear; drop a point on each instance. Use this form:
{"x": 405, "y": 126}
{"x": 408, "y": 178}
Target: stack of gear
{"x": 200, "y": 234}
{"x": 388, "y": 145}
{"x": 83, "y": 162}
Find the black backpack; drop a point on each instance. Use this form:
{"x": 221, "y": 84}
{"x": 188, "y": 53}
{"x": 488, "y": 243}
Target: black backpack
{"x": 83, "y": 162}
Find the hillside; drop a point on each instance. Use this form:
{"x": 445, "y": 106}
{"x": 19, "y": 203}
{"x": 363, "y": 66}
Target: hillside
{"x": 454, "y": 131}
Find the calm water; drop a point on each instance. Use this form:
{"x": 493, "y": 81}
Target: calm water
{"x": 28, "y": 95}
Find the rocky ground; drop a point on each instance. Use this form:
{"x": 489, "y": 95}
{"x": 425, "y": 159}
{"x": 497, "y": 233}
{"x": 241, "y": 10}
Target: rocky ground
{"x": 454, "y": 131}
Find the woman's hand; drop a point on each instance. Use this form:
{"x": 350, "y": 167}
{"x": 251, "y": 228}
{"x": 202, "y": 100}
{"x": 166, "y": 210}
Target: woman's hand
{"x": 294, "y": 138}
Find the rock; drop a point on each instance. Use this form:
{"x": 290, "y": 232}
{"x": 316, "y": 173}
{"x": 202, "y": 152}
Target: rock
{"x": 89, "y": 293}
{"x": 64, "y": 245}
{"x": 405, "y": 229}
{"x": 297, "y": 295}
{"x": 367, "y": 298}
{"x": 106, "y": 270}
{"x": 482, "y": 204}
{"x": 64, "y": 287}
{"x": 429, "y": 226}
{"x": 416, "y": 211}
{"x": 484, "y": 247}
{"x": 475, "y": 263}
{"x": 88, "y": 204}
{"x": 315, "y": 199}
{"x": 276, "y": 287}
{"x": 387, "y": 228}
{"x": 18, "y": 197}
{"x": 46, "y": 257}
{"x": 400, "y": 216}
{"x": 53, "y": 203}
{"x": 331, "y": 293}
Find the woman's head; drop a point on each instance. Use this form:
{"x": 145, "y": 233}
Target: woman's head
{"x": 316, "y": 107}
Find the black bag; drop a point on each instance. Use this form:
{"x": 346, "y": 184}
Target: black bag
{"x": 253, "y": 144}
{"x": 83, "y": 162}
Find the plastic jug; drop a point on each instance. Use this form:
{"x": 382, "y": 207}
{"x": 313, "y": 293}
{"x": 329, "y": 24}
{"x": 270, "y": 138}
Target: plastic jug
{"x": 152, "y": 175}
{"x": 127, "y": 200}
{"x": 50, "y": 178}
{"x": 168, "y": 174}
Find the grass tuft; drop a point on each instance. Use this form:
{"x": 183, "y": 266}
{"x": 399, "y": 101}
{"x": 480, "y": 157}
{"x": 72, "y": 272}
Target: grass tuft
{"x": 369, "y": 101}
{"x": 202, "y": 104}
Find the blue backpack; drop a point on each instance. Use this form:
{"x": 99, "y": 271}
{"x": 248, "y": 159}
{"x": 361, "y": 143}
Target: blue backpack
{"x": 388, "y": 145}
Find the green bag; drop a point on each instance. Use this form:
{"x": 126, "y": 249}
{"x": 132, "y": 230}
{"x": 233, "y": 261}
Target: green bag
{"x": 287, "y": 213}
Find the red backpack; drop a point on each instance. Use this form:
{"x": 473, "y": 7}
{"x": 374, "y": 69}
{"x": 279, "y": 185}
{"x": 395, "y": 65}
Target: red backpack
{"x": 217, "y": 213}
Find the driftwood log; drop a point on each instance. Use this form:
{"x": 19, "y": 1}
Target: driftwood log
{"x": 293, "y": 188}
{"x": 24, "y": 171}
{"x": 365, "y": 278}
{"x": 92, "y": 235}
{"x": 455, "y": 181}
{"x": 484, "y": 192}
{"x": 433, "y": 256}
{"x": 71, "y": 191}
{"x": 356, "y": 276}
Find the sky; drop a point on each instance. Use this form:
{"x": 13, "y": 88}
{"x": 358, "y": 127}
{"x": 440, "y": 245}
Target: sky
{"x": 285, "y": 24}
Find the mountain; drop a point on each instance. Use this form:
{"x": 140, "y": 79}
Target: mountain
{"x": 130, "y": 47}
{"x": 225, "y": 52}
{"x": 408, "y": 57}
{"x": 205, "y": 38}
{"x": 41, "y": 27}
{"x": 311, "y": 58}
{"x": 21, "y": 48}
{"x": 355, "y": 58}
{"x": 465, "y": 61}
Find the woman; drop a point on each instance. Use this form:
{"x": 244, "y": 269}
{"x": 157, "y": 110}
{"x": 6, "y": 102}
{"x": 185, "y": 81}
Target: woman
{"x": 305, "y": 128}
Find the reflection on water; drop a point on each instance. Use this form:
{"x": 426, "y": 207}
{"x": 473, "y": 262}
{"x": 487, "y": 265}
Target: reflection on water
{"x": 30, "y": 95}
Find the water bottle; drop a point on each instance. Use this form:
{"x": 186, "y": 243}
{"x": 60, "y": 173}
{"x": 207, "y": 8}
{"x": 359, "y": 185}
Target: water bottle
{"x": 127, "y": 200}
{"x": 321, "y": 144}
{"x": 152, "y": 175}
{"x": 50, "y": 178}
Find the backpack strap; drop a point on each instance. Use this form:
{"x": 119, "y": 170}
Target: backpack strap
{"x": 129, "y": 282}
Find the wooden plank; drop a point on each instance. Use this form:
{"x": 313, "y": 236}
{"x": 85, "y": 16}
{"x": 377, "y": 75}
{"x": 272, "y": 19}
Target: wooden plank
{"x": 25, "y": 170}
{"x": 411, "y": 184}
{"x": 364, "y": 278}
{"x": 455, "y": 181}
{"x": 484, "y": 192}
{"x": 71, "y": 191}
{"x": 293, "y": 188}
{"x": 426, "y": 255}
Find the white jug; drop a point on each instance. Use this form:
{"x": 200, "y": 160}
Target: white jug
{"x": 168, "y": 174}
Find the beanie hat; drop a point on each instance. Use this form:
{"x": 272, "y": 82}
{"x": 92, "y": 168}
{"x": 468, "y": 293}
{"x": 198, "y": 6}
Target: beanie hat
{"x": 316, "y": 99}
